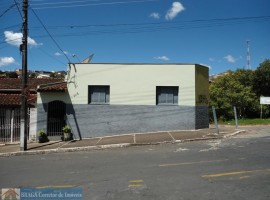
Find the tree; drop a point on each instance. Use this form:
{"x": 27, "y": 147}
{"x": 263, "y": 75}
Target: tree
{"x": 33, "y": 75}
{"x": 234, "y": 89}
{"x": 245, "y": 77}
{"x": 52, "y": 74}
{"x": 57, "y": 75}
{"x": 12, "y": 75}
{"x": 262, "y": 79}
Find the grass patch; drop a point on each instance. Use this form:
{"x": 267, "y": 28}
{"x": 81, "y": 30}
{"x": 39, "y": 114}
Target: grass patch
{"x": 248, "y": 122}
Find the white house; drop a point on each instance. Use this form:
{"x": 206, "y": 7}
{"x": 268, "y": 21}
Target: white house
{"x": 107, "y": 99}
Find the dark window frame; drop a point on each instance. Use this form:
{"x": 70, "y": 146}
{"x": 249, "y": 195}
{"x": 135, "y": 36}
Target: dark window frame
{"x": 99, "y": 90}
{"x": 167, "y": 95}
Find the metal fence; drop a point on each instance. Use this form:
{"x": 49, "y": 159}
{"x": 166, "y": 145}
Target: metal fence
{"x": 10, "y": 124}
{"x": 56, "y": 118}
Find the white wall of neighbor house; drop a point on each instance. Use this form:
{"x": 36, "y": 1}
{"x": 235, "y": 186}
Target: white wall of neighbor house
{"x": 46, "y": 97}
{"x": 33, "y": 124}
{"x": 132, "y": 84}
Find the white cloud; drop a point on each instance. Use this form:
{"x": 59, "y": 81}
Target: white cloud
{"x": 155, "y": 15}
{"x": 212, "y": 59}
{"x": 4, "y": 61}
{"x": 176, "y": 8}
{"x": 32, "y": 42}
{"x": 13, "y": 38}
{"x": 57, "y": 54}
{"x": 61, "y": 54}
{"x": 16, "y": 39}
{"x": 230, "y": 59}
{"x": 164, "y": 58}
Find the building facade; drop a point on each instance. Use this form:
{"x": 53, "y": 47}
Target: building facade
{"x": 110, "y": 99}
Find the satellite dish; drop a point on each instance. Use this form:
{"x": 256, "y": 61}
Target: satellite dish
{"x": 88, "y": 59}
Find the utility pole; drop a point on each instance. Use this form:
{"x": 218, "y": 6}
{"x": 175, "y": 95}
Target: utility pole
{"x": 24, "y": 94}
{"x": 248, "y": 56}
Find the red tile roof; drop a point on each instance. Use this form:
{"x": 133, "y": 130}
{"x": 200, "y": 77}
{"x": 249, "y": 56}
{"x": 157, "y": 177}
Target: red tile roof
{"x": 55, "y": 87}
{"x": 16, "y": 83}
{"x": 15, "y": 99}
{"x": 10, "y": 89}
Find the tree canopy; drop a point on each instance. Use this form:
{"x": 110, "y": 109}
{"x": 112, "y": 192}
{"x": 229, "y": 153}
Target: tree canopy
{"x": 12, "y": 74}
{"x": 241, "y": 89}
{"x": 262, "y": 79}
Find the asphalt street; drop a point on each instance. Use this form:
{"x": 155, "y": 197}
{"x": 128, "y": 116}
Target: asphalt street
{"x": 232, "y": 168}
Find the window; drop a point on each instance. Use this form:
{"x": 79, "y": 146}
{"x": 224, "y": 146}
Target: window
{"x": 167, "y": 95}
{"x": 98, "y": 94}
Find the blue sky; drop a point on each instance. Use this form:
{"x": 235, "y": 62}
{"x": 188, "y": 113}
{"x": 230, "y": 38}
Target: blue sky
{"x": 208, "y": 32}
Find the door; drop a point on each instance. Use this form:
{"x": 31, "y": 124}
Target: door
{"x": 56, "y": 118}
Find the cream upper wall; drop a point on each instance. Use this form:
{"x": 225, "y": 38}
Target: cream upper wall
{"x": 132, "y": 84}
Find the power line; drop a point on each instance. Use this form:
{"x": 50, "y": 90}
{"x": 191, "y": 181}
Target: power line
{"x": 50, "y": 35}
{"x": 150, "y": 27}
{"x": 9, "y": 40}
{"x": 154, "y": 27}
{"x": 6, "y": 41}
{"x": 65, "y": 2}
{"x": 18, "y": 8}
{"x": 10, "y": 7}
{"x": 10, "y": 27}
{"x": 49, "y": 55}
{"x": 212, "y": 21}
{"x": 91, "y": 4}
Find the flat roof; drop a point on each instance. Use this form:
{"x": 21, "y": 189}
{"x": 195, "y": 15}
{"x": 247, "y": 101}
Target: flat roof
{"x": 142, "y": 64}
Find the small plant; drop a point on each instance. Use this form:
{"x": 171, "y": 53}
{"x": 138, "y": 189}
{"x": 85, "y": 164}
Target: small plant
{"x": 41, "y": 133}
{"x": 66, "y": 129}
{"x": 67, "y": 135}
{"x": 42, "y": 136}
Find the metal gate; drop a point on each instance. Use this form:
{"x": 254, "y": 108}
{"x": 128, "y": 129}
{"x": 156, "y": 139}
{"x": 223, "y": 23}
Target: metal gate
{"x": 56, "y": 118}
{"x": 10, "y": 122}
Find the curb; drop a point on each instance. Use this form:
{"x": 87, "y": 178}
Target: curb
{"x": 62, "y": 150}
{"x": 110, "y": 146}
{"x": 235, "y": 133}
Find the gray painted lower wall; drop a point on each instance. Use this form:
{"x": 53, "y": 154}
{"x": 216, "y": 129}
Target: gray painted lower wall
{"x": 202, "y": 117}
{"x": 104, "y": 120}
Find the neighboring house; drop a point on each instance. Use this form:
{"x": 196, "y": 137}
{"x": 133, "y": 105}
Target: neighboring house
{"x": 51, "y": 116}
{"x": 10, "y": 105}
{"x": 215, "y": 76}
{"x": 43, "y": 76}
{"x": 108, "y": 99}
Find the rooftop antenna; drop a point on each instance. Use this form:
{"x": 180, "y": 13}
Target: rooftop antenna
{"x": 248, "y": 56}
{"x": 74, "y": 55}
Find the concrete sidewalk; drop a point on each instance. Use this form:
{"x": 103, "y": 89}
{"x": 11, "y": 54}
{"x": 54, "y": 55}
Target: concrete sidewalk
{"x": 119, "y": 141}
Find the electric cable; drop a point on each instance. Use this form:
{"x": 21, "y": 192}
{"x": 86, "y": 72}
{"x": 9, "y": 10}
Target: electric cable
{"x": 50, "y": 35}
{"x": 92, "y": 4}
{"x": 213, "y": 21}
{"x": 18, "y": 8}
{"x": 154, "y": 27}
{"x": 10, "y": 7}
